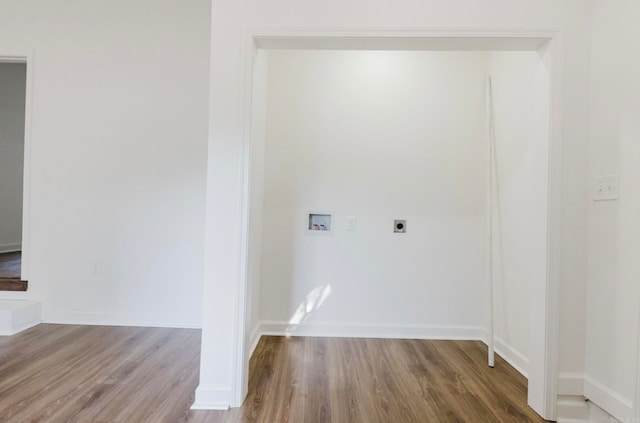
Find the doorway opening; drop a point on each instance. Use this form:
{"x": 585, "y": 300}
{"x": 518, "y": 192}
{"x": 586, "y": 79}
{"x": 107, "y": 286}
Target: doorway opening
{"x": 14, "y": 134}
{"x": 543, "y": 298}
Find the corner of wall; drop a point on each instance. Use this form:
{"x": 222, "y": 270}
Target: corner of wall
{"x": 254, "y": 338}
{"x": 10, "y": 247}
{"x": 515, "y": 358}
{"x": 571, "y": 384}
{"x": 576, "y": 388}
{"x": 572, "y": 409}
{"x": 211, "y": 397}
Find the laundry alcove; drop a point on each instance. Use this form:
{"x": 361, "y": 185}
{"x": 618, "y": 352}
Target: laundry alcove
{"x": 376, "y": 135}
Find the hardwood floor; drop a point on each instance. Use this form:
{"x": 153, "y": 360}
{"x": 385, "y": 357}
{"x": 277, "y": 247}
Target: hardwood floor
{"x": 380, "y": 380}
{"x": 10, "y": 265}
{"x": 57, "y": 373}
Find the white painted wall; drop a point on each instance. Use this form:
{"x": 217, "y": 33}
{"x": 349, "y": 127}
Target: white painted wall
{"x": 379, "y": 135}
{"x": 520, "y": 84}
{"x": 232, "y": 20}
{"x": 614, "y": 228}
{"x": 118, "y": 154}
{"x": 13, "y": 78}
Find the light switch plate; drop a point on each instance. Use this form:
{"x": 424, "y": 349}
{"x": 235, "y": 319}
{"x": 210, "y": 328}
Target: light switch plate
{"x": 606, "y": 188}
{"x": 352, "y": 223}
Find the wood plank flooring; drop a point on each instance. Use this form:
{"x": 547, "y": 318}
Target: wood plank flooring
{"x": 380, "y": 380}
{"x": 10, "y": 266}
{"x": 59, "y": 373}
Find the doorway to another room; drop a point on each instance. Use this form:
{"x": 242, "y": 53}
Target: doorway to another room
{"x": 13, "y": 106}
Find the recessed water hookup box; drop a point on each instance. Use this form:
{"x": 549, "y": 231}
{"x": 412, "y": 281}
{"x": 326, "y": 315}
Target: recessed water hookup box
{"x": 320, "y": 222}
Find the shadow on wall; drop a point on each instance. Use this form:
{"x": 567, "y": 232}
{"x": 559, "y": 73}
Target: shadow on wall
{"x": 311, "y": 304}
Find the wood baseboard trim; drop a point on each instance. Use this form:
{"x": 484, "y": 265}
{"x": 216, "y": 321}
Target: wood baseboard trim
{"x": 13, "y": 284}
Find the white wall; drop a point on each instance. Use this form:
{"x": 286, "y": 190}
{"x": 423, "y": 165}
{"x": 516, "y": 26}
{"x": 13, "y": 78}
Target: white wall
{"x": 614, "y": 228}
{"x": 12, "y": 108}
{"x": 520, "y": 85}
{"x": 377, "y": 135}
{"x": 232, "y": 20}
{"x": 118, "y": 150}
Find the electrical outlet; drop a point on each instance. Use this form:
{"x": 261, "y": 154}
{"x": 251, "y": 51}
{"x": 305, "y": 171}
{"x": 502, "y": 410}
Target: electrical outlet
{"x": 400, "y": 226}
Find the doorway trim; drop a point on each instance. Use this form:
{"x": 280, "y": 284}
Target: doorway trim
{"x": 26, "y": 57}
{"x": 543, "y": 399}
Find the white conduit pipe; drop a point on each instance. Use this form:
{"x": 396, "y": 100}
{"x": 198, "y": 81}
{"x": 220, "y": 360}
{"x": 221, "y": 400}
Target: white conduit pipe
{"x": 491, "y": 142}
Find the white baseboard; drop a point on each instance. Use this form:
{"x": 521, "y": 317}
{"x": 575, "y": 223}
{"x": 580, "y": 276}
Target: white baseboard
{"x": 187, "y": 321}
{"x": 19, "y": 329}
{"x": 279, "y": 328}
{"x": 572, "y": 409}
{"x": 211, "y": 397}
{"x": 10, "y": 248}
{"x": 19, "y": 315}
{"x": 607, "y": 399}
{"x": 583, "y": 411}
{"x": 564, "y": 420}
{"x": 598, "y": 415}
{"x": 515, "y": 358}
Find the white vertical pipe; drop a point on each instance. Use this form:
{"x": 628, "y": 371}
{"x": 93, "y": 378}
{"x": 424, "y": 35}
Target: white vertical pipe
{"x": 491, "y": 142}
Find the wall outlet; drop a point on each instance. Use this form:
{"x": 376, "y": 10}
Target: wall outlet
{"x": 400, "y": 226}
{"x": 606, "y": 188}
